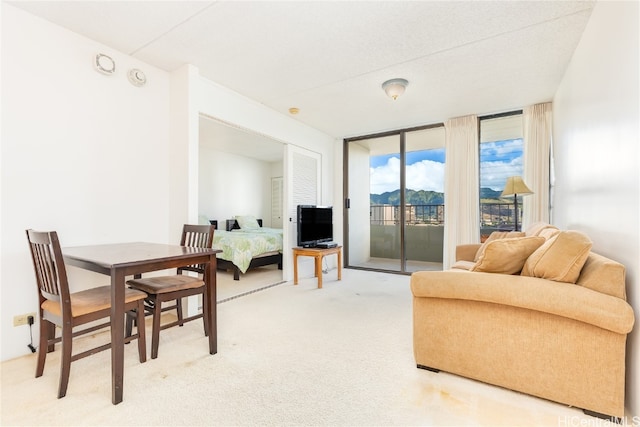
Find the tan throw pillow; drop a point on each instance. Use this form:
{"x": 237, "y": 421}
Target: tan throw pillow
{"x": 496, "y": 235}
{"x": 548, "y": 232}
{"x": 560, "y": 258}
{"x": 537, "y": 228}
{"x": 507, "y": 256}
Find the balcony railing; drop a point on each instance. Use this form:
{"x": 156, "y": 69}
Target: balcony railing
{"x": 498, "y": 216}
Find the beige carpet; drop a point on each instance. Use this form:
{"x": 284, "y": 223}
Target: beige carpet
{"x": 287, "y": 355}
{"x": 254, "y": 280}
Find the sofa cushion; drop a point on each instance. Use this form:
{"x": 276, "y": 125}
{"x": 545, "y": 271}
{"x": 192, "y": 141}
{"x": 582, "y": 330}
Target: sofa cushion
{"x": 463, "y": 265}
{"x": 603, "y": 275}
{"x": 560, "y": 299}
{"x": 548, "y": 232}
{"x": 560, "y": 258}
{"x": 507, "y": 256}
{"x": 467, "y": 252}
{"x": 537, "y": 228}
{"x": 497, "y": 235}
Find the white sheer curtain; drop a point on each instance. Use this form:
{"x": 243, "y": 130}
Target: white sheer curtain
{"x": 537, "y": 160}
{"x": 461, "y": 190}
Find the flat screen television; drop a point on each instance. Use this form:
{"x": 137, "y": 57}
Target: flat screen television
{"x": 315, "y": 225}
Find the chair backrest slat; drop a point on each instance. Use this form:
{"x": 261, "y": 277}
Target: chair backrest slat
{"x": 197, "y": 236}
{"x": 46, "y": 269}
{"x": 48, "y": 265}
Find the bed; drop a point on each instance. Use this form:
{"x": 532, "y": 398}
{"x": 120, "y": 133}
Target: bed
{"x": 245, "y": 248}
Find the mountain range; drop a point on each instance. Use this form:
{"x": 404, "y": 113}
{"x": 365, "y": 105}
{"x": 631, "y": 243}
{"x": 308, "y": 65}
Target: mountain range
{"x": 424, "y": 197}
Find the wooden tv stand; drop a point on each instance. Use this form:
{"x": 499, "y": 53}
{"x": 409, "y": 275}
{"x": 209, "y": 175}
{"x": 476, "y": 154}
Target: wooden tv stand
{"x": 317, "y": 254}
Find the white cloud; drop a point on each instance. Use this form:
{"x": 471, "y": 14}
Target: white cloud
{"x": 502, "y": 159}
{"x": 495, "y": 174}
{"x": 423, "y": 175}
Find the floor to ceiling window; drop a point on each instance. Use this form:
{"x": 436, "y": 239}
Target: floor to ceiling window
{"x": 501, "y": 157}
{"x": 394, "y": 187}
{"x": 395, "y": 200}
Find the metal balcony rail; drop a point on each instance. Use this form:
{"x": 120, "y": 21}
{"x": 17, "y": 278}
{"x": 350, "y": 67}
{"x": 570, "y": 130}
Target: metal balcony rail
{"x": 492, "y": 215}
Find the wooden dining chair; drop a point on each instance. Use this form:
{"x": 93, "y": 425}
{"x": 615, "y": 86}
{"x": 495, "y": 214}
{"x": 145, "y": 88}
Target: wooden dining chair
{"x": 59, "y": 307}
{"x": 173, "y": 288}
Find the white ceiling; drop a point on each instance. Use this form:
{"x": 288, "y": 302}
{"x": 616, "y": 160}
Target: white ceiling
{"x": 329, "y": 58}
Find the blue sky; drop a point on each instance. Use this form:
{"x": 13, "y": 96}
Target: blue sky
{"x": 425, "y": 169}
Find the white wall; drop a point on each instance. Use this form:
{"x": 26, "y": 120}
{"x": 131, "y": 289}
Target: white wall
{"x": 241, "y": 187}
{"x": 596, "y": 119}
{"x": 230, "y": 107}
{"x": 98, "y": 159}
{"x": 183, "y": 150}
{"x": 82, "y": 153}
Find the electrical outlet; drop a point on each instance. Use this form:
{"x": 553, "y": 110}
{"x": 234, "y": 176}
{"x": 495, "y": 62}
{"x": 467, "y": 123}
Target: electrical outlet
{"x": 22, "y": 319}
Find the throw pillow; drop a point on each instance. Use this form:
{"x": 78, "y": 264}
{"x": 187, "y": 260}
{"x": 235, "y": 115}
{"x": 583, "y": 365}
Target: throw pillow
{"x": 247, "y": 222}
{"x": 538, "y": 228}
{"x": 496, "y": 235}
{"x": 548, "y": 232}
{"x": 560, "y": 258}
{"x": 507, "y": 256}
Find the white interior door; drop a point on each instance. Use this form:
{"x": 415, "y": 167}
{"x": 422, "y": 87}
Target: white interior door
{"x": 276, "y": 202}
{"x": 302, "y": 180}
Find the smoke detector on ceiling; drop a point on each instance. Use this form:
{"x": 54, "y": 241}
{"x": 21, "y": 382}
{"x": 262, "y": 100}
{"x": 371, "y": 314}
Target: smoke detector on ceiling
{"x": 137, "y": 77}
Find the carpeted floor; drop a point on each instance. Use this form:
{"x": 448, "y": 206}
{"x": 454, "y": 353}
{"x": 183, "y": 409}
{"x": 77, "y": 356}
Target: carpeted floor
{"x": 287, "y": 355}
{"x": 254, "y": 280}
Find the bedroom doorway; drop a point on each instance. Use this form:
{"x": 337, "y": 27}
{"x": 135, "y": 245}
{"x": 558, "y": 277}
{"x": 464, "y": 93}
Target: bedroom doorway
{"x": 237, "y": 174}
{"x": 394, "y": 216}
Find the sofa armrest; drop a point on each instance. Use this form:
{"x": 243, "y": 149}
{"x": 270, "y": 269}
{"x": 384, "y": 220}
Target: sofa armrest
{"x": 467, "y": 252}
{"x": 558, "y": 298}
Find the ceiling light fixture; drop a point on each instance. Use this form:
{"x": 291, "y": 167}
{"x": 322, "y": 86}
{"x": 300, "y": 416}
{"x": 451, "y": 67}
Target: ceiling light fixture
{"x": 294, "y": 110}
{"x": 395, "y": 87}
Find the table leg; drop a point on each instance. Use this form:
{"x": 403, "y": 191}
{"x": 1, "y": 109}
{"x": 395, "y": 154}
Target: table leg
{"x": 210, "y": 293}
{"x": 339, "y": 264}
{"x": 295, "y": 268}
{"x": 117, "y": 335}
{"x": 319, "y": 270}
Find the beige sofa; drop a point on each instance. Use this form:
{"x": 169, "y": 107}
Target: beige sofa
{"x": 533, "y": 331}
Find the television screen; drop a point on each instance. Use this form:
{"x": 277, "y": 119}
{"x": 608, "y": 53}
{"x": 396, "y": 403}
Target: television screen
{"x": 315, "y": 225}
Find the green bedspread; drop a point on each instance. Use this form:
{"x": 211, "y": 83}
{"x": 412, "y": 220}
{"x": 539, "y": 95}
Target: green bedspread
{"x": 240, "y": 246}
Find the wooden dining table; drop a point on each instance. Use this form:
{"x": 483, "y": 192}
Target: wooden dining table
{"x": 120, "y": 260}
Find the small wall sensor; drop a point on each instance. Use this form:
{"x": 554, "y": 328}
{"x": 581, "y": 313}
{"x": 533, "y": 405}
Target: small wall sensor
{"x": 105, "y": 64}
{"x": 137, "y": 77}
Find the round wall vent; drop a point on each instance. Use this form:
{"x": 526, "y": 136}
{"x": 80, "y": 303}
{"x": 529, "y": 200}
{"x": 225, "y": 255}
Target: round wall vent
{"x": 105, "y": 64}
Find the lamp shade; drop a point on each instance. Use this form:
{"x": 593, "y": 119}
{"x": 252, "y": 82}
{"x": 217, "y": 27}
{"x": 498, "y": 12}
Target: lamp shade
{"x": 395, "y": 87}
{"x": 515, "y": 185}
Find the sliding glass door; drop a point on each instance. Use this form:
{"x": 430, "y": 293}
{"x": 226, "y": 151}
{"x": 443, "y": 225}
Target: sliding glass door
{"x": 394, "y": 209}
{"x": 374, "y": 227}
{"x": 424, "y": 199}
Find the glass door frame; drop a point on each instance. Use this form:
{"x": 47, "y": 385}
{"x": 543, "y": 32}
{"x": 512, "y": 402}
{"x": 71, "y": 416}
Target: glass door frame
{"x": 402, "y": 214}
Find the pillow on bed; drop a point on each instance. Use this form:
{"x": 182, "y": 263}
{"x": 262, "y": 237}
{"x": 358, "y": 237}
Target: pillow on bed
{"x": 247, "y": 222}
